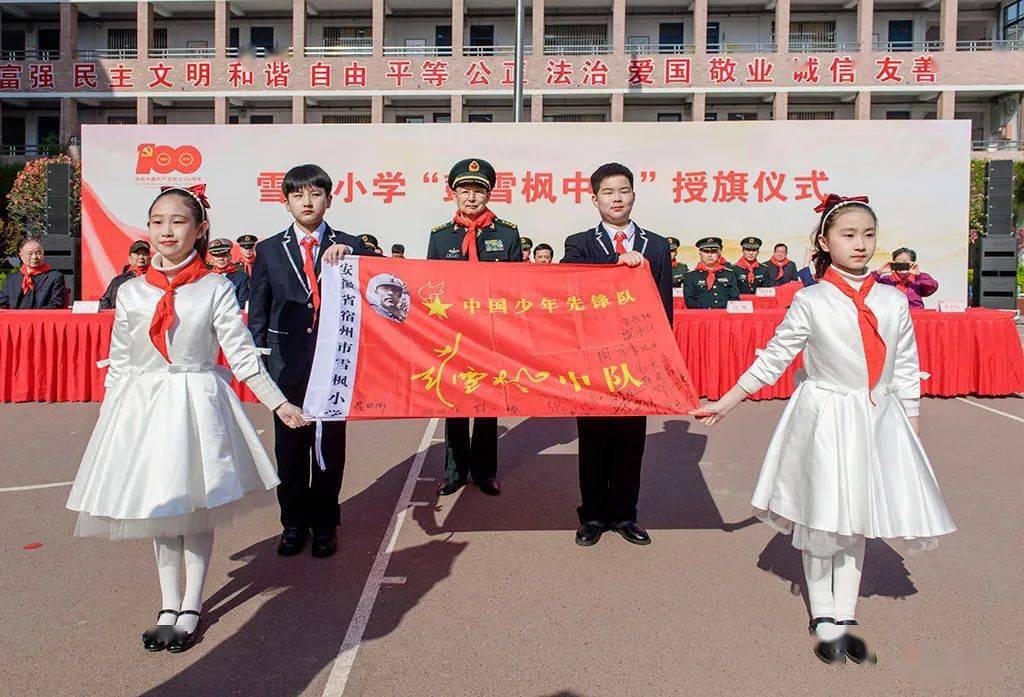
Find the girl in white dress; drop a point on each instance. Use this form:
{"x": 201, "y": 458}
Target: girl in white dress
{"x": 173, "y": 453}
{"x": 845, "y": 462}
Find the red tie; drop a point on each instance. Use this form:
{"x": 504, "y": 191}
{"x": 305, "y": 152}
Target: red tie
{"x": 309, "y": 243}
{"x": 619, "y": 247}
{"x": 867, "y": 322}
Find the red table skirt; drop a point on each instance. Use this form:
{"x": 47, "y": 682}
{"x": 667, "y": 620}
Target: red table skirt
{"x": 783, "y": 298}
{"x": 51, "y": 355}
{"x": 978, "y": 352}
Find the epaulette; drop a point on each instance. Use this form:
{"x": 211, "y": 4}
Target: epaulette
{"x": 442, "y": 226}
{"x": 506, "y": 223}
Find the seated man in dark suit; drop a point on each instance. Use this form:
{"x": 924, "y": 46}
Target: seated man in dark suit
{"x": 35, "y": 285}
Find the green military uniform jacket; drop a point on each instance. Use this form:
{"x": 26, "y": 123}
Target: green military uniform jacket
{"x": 679, "y": 271}
{"x": 697, "y": 295}
{"x": 764, "y": 277}
{"x": 499, "y": 241}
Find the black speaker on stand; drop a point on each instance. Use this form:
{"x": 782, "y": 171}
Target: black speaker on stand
{"x": 995, "y": 276}
{"x": 63, "y": 247}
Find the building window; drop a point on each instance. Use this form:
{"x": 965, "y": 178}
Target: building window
{"x": 232, "y": 118}
{"x": 481, "y": 118}
{"x": 160, "y": 37}
{"x": 1013, "y": 21}
{"x": 741, "y": 116}
{"x": 901, "y": 34}
{"x": 711, "y": 116}
{"x": 812, "y": 115}
{"x": 481, "y": 40}
{"x": 127, "y": 120}
{"x": 160, "y": 120}
{"x": 671, "y": 116}
{"x": 406, "y": 118}
{"x": 348, "y": 37}
{"x": 897, "y": 116}
{"x": 575, "y": 118}
{"x": 576, "y": 38}
{"x": 346, "y": 118}
{"x": 808, "y": 37}
{"x": 714, "y": 37}
{"x": 442, "y": 117}
{"x": 261, "y": 118}
{"x": 670, "y": 37}
{"x": 121, "y": 42}
{"x": 262, "y": 39}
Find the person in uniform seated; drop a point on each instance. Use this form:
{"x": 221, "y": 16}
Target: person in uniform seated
{"x": 247, "y": 245}
{"x": 712, "y": 284}
{"x": 527, "y": 244}
{"x": 138, "y": 262}
{"x": 220, "y": 262}
{"x": 474, "y": 234}
{"x": 751, "y": 273}
{"x": 679, "y": 269}
{"x": 35, "y": 285}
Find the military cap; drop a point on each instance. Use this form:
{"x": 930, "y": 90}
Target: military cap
{"x": 472, "y": 170}
{"x": 526, "y": 242}
{"x": 139, "y": 246}
{"x": 247, "y": 241}
{"x": 673, "y": 243}
{"x": 709, "y": 243}
{"x": 751, "y": 243}
{"x": 220, "y": 247}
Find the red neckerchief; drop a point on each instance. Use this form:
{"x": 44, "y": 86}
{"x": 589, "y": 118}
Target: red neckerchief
{"x": 903, "y": 280}
{"x": 710, "y": 271}
{"x": 675, "y": 262}
{"x": 27, "y": 283}
{"x": 781, "y": 265}
{"x": 137, "y": 270}
{"x": 472, "y": 225}
{"x": 874, "y": 345}
{"x": 247, "y": 265}
{"x": 230, "y": 268}
{"x": 749, "y": 266}
{"x": 163, "y": 317}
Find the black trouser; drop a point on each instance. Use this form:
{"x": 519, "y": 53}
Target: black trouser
{"x": 611, "y": 454}
{"x": 308, "y": 496}
{"x": 476, "y": 456}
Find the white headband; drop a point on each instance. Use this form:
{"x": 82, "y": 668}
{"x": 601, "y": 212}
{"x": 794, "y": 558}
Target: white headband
{"x": 821, "y": 228}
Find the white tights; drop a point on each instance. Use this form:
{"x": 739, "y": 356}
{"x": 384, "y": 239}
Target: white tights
{"x": 833, "y": 584}
{"x": 196, "y": 549}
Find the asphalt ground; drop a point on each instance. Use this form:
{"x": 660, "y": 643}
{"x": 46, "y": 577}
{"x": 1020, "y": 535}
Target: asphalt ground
{"x": 473, "y": 595}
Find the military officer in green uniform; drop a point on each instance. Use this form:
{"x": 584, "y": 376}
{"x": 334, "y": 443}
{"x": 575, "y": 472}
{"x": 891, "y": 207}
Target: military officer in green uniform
{"x": 712, "y": 284}
{"x": 751, "y": 273}
{"x": 527, "y": 244}
{"x": 474, "y": 234}
{"x": 679, "y": 269}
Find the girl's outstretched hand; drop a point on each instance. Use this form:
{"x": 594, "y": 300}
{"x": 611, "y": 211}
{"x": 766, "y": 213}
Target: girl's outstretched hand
{"x": 711, "y": 413}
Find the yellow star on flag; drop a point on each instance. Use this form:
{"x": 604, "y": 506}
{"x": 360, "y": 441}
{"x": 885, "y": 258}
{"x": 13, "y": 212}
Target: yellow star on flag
{"x": 437, "y": 307}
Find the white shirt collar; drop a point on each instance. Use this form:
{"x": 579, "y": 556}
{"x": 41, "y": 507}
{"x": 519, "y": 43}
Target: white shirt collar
{"x": 318, "y": 233}
{"x": 630, "y": 231}
{"x": 855, "y": 280}
{"x": 159, "y": 261}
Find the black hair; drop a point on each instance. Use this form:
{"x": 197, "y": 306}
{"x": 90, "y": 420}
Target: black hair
{"x": 304, "y": 177}
{"x": 905, "y": 250}
{"x": 612, "y": 169}
{"x": 543, "y": 246}
{"x": 398, "y": 248}
{"x": 780, "y": 244}
{"x": 198, "y": 214}
{"x": 820, "y": 258}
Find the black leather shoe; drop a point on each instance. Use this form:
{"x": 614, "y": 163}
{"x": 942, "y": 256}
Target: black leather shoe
{"x": 183, "y": 640}
{"x": 157, "y": 638}
{"x": 490, "y": 487}
{"x": 589, "y": 533}
{"x": 292, "y": 541}
{"x": 447, "y": 489}
{"x": 855, "y": 648}
{"x": 831, "y": 651}
{"x": 631, "y": 531}
{"x": 324, "y": 544}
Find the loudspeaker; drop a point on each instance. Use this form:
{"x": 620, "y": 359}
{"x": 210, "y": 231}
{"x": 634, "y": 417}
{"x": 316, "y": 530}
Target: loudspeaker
{"x": 63, "y": 248}
{"x": 995, "y": 276}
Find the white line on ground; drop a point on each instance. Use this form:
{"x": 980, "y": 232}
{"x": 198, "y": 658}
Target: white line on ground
{"x": 424, "y": 479}
{"x": 338, "y": 678}
{"x": 994, "y": 411}
{"x": 393, "y": 580}
{"x": 419, "y": 503}
{"x": 35, "y": 486}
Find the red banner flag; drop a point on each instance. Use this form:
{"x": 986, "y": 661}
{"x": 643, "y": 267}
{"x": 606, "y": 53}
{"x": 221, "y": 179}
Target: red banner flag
{"x": 402, "y": 338}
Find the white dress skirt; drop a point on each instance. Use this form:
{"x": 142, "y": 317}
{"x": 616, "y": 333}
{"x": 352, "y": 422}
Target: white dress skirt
{"x": 173, "y": 452}
{"x": 844, "y": 462}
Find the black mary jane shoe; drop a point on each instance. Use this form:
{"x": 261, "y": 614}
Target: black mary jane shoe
{"x": 828, "y": 651}
{"x": 855, "y": 648}
{"x": 157, "y": 638}
{"x": 183, "y": 640}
